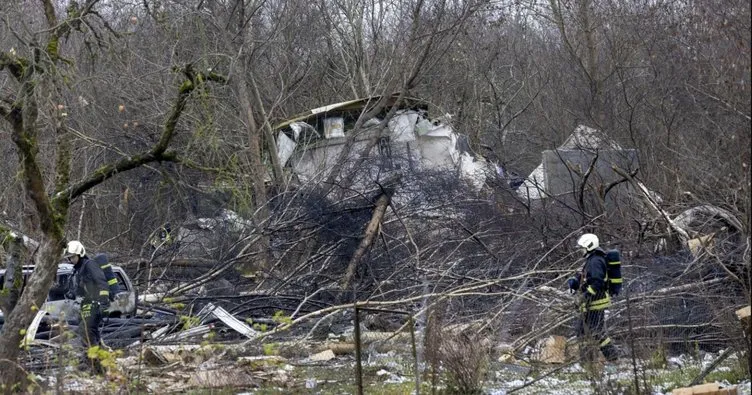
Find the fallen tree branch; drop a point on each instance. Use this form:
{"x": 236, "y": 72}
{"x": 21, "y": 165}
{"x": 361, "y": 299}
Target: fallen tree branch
{"x": 712, "y": 366}
{"x": 371, "y": 231}
{"x": 683, "y": 234}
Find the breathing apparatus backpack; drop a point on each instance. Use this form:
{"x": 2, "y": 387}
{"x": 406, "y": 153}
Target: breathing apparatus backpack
{"x": 613, "y": 273}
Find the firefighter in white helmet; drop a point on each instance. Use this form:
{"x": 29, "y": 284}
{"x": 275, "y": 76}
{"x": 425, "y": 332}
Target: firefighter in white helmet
{"x": 89, "y": 283}
{"x": 591, "y": 282}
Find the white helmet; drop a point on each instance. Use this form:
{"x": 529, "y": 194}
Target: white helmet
{"x": 75, "y": 248}
{"x": 588, "y": 241}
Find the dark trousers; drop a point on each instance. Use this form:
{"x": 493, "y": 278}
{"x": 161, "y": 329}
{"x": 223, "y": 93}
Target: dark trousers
{"x": 591, "y": 329}
{"x": 88, "y": 327}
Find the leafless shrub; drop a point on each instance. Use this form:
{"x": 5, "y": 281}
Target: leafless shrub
{"x": 465, "y": 361}
{"x": 457, "y": 357}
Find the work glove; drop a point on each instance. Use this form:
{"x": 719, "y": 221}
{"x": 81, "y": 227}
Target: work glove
{"x": 573, "y": 285}
{"x": 70, "y": 295}
{"x": 614, "y": 290}
{"x": 104, "y": 303}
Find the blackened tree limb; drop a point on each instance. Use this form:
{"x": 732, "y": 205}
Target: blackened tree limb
{"x": 584, "y": 182}
{"x": 370, "y": 234}
{"x": 617, "y": 182}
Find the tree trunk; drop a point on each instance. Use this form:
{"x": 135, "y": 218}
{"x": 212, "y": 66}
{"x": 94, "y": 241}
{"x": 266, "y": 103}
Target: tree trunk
{"x": 371, "y": 231}
{"x": 34, "y": 294}
{"x": 257, "y": 168}
{"x": 13, "y": 274}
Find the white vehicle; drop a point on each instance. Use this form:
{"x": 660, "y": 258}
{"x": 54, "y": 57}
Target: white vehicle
{"x": 58, "y": 306}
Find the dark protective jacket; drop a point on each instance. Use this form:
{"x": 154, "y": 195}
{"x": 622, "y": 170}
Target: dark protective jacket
{"x": 104, "y": 263}
{"x": 594, "y": 285}
{"x": 89, "y": 281}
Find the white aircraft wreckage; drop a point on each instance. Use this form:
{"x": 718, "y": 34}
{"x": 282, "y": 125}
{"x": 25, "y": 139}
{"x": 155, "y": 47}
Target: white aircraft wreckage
{"x": 311, "y": 143}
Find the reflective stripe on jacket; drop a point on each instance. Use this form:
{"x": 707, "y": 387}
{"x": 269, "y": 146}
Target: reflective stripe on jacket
{"x": 595, "y": 274}
{"x": 104, "y": 263}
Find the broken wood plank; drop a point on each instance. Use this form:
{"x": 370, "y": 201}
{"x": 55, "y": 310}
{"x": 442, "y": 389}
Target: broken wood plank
{"x": 553, "y": 350}
{"x": 341, "y": 348}
{"x": 706, "y": 389}
{"x": 744, "y": 313}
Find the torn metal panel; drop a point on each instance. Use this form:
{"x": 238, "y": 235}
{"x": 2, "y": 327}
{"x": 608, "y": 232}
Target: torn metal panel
{"x": 285, "y": 148}
{"x": 702, "y": 214}
{"x": 228, "y": 319}
{"x": 334, "y": 127}
{"x": 473, "y": 170}
{"x": 585, "y": 138}
{"x": 31, "y": 332}
{"x": 403, "y": 126}
{"x": 698, "y": 244}
{"x": 205, "y": 312}
{"x": 197, "y": 331}
{"x": 534, "y": 185}
{"x": 154, "y": 335}
{"x": 348, "y": 106}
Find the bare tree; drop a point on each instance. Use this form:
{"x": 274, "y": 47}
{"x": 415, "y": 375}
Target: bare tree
{"x": 38, "y": 65}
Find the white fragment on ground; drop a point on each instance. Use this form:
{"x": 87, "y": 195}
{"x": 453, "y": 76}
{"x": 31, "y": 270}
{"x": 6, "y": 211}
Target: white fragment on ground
{"x": 676, "y": 362}
{"x": 392, "y": 378}
{"x": 395, "y": 379}
{"x": 325, "y": 355}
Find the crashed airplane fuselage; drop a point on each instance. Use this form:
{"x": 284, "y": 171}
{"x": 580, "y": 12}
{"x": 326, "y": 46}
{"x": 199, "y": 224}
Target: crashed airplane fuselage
{"x": 311, "y": 143}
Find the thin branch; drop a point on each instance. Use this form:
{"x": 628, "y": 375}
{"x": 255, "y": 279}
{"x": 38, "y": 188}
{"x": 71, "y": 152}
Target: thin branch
{"x": 158, "y": 153}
